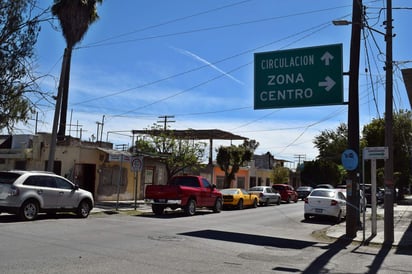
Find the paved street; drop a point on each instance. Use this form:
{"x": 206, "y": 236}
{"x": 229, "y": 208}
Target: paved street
{"x": 273, "y": 239}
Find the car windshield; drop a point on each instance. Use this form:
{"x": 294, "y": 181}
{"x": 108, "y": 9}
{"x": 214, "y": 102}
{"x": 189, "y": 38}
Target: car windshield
{"x": 8, "y": 177}
{"x": 322, "y": 193}
{"x": 229, "y": 191}
{"x": 256, "y": 189}
{"x": 184, "y": 181}
{"x": 278, "y": 187}
{"x": 303, "y": 188}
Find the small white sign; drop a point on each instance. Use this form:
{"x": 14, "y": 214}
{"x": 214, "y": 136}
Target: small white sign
{"x": 375, "y": 153}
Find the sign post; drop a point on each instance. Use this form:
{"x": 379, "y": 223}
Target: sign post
{"x": 299, "y": 77}
{"x": 373, "y": 154}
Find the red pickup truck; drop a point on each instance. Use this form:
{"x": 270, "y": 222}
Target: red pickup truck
{"x": 187, "y": 192}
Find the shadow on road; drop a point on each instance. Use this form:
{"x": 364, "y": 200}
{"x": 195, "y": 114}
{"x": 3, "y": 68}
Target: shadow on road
{"x": 16, "y": 219}
{"x": 249, "y": 239}
{"x": 317, "y": 266}
{"x": 405, "y": 243}
{"x": 173, "y": 214}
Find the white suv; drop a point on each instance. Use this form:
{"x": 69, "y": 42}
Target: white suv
{"x": 27, "y": 193}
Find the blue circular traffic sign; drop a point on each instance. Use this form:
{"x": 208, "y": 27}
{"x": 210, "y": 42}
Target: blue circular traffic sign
{"x": 349, "y": 159}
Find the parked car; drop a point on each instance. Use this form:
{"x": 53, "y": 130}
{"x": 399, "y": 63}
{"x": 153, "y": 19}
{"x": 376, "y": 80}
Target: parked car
{"x": 266, "y": 195}
{"x": 303, "y": 191}
{"x": 27, "y": 193}
{"x": 380, "y": 194}
{"x": 361, "y": 199}
{"x": 325, "y": 186}
{"x": 187, "y": 192}
{"x": 287, "y": 192}
{"x": 239, "y": 198}
{"x": 325, "y": 202}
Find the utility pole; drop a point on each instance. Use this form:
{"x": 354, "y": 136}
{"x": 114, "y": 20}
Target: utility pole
{"x": 388, "y": 176}
{"x": 352, "y": 183}
{"x": 299, "y": 157}
{"x": 165, "y": 120}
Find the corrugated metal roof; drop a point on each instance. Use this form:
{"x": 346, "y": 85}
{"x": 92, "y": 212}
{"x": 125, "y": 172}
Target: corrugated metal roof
{"x": 195, "y": 134}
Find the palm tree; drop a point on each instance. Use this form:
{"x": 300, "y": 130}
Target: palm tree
{"x": 75, "y": 17}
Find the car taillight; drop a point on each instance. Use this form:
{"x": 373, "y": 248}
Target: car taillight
{"x": 333, "y": 202}
{"x": 14, "y": 191}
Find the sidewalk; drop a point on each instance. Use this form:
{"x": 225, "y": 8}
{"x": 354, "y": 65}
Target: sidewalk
{"x": 402, "y": 220}
{"x": 110, "y": 206}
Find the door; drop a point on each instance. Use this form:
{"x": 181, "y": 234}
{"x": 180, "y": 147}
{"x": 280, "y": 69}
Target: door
{"x": 67, "y": 196}
{"x": 207, "y": 194}
{"x": 44, "y": 187}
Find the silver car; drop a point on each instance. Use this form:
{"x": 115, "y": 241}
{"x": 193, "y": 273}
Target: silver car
{"x": 27, "y": 193}
{"x": 266, "y": 194}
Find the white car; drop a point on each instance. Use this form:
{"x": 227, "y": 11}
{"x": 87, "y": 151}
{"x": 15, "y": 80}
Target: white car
{"x": 266, "y": 195}
{"x": 326, "y": 202}
{"x": 27, "y": 193}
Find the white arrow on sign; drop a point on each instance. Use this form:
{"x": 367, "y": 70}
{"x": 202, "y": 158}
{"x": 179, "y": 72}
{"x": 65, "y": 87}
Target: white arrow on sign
{"x": 328, "y": 83}
{"x": 327, "y": 57}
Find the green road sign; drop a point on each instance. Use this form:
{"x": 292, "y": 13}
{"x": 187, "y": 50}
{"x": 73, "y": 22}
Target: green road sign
{"x": 299, "y": 77}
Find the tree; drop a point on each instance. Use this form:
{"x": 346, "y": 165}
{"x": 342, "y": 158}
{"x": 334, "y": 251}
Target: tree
{"x": 320, "y": 172}
{"x": 332, "y": 143}
{"x": 75, "y": 17}
{"x": 374, "y": 135}
{"x": 280, "y": 175}
{"x": 19, "y": 28}
{"x": 176, "y": 154}
{"x": 231, "y": 158}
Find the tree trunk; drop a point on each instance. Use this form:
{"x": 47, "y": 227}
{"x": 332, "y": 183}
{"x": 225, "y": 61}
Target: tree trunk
{"x": 64, "y": 81}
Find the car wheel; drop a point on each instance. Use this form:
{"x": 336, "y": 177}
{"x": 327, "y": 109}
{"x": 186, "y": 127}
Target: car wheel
{"x": 255, "y": 203}
{"x": 218, "y": 205}
{"x": 288, "y": 200}
{"x": 306, "y": 216}
{"x": 29, "y": 210}
{"x": 190, "y": 208}
{"x": 339, "y": 217}
{"x": 158, "y": 209}
{"x": 278, "y": 202}
{"x": 84, "y": 209}
{"x": 240, "y": 204}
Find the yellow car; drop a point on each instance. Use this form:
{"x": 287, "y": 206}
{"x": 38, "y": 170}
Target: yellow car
{"x": 239, "y": 198}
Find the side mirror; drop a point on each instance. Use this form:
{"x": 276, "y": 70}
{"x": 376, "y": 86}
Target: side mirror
{"x": 76, "y": 187}
{"x": 213, "y": 186}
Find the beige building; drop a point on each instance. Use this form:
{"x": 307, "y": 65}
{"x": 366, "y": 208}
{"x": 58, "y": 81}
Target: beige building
{"x": 96, "y": 167}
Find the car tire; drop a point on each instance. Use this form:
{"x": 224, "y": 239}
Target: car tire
{"x": 255, "y": 203}
{"x": 218, "y": 206}
{"x": 339, "y": 217}
{"x": 84, "y": 209}
{"x": 158, "y": 209}
{"x": 190, "y": 208}
{"x": 306, "y": 216}
{"x": 278, "y": 202}
{"x": 240, "y": 204}
{"x": 288, "y": 200}
{"x": 29, "y": 210}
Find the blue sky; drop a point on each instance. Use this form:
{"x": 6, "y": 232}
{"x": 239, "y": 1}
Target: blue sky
{"x": 194, "y": 60}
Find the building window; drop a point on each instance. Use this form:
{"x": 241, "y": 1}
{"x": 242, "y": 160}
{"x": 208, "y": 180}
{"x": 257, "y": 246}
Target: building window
{"x": 220, "y": 181}
{"x": 241, "y": 182}
{"x": 252, "y": 181}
